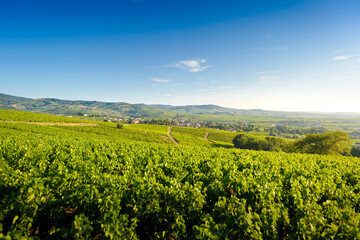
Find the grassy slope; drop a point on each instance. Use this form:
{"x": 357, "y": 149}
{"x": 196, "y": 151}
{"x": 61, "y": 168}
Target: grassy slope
{"x": 190, "y": 136}
{"x": 140, "y": 132}
{"x": 10, "y": 115}
{"x": 72, "y": 182}
{"x": 19, "y": 121}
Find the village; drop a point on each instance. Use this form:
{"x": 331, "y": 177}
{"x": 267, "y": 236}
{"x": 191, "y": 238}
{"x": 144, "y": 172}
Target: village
{"x": 169, "y": 122}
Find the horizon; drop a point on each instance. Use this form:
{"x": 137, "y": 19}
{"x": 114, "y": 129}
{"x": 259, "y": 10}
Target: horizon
{"x": 291, "y": 56}
{"x": 246, "y": 109}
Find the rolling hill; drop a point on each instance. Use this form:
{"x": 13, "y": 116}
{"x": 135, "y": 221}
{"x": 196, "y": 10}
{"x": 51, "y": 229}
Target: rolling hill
{"x": 58, "y": 106}
{"x": 72, "y": 107}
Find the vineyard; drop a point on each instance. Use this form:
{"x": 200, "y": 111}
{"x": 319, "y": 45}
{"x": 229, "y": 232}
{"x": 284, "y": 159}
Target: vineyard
{"x": 190, "y": 136}
{"x": 100, "y": 182}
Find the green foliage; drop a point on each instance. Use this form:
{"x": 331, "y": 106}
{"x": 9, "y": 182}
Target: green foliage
{"x": 60, "y": 188}
{"x": 190, "y": 136}
{"x": 10, "y": 115}
{"x": 166, "y": 122}
{"x": 119, "y": 126}
{"x": 246, "y": 141}
{"x": 71, "y": 182}
{"x": 327, "y": 143}
{"x": 355, "y": 151}
{"x": 274, "y": 144}
{"x": 146, "y": 128}
{"x": 221, "y": 136}
{"x": 282, "y": 129}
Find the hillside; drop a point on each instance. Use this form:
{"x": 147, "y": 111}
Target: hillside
{"x": 57, "y": 106}
{"x": 44, "y": 124}
{"x": 64, "y": 178}
{"x": 212, "y": 112}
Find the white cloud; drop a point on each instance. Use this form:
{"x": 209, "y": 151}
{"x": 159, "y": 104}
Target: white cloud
{"x": 339, "y": 58}
{"x": 160, "y": 80}
{"x": 190, "y": 65}
{"x": 341, "y": 51}
{"x": 215, "y": 89}
{"x": 266, "y": 77}
{"x": 358, "y": 60}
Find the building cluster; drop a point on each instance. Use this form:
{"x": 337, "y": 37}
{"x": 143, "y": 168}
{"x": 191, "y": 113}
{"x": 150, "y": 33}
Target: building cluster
{"x": 185, "y": 123}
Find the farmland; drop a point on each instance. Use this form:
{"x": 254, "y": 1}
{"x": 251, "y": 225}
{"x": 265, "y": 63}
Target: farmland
{"x": 100, "y": 182}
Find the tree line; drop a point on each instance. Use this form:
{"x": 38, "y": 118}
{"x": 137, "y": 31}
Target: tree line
{"x": 326, "y": 143}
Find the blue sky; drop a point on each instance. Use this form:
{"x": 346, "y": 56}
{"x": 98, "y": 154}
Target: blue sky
{"x": 276, "y": 55}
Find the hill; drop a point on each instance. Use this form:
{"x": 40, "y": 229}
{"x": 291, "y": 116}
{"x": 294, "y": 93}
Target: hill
{"x": 44, "y": 124}
{"x": 73, "y": 107}
{"x": 58, "y": 106}
{"x": 64, "y": 178}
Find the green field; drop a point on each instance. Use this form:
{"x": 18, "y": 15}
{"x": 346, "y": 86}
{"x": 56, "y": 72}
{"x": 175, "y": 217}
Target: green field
{"x": 190, "y": 136}
{"x": 92, "y": 180}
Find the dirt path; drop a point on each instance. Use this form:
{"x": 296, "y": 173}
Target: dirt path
{"x": 207, "y": 137}
{"x": 172, "y": 137}
{"x": 55, "y": 123}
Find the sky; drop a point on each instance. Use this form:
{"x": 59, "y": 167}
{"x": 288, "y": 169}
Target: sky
{"x": 287, "y": 55}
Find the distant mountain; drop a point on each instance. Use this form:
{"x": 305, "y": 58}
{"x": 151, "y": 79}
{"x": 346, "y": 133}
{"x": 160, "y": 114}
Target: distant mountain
{"x": 70, "y": 107}
{"x": 8, "y": 100}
